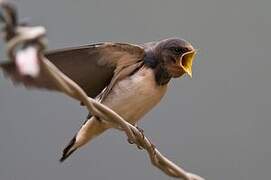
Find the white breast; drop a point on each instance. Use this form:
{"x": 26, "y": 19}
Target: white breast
{"x": 134, "y": 96}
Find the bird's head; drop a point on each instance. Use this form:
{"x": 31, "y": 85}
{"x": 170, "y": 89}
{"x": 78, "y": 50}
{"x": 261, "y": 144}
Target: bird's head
{"x": 176, "y": 56}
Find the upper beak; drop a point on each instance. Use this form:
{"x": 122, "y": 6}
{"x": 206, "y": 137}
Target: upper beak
{"x": 187, "y": 61}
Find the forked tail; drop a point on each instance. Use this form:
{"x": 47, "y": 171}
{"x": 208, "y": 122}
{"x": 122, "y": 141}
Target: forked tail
{"x": 89, "y": 130}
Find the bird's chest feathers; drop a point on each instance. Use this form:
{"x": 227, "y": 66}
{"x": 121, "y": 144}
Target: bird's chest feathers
{"x": 134, "y": 96}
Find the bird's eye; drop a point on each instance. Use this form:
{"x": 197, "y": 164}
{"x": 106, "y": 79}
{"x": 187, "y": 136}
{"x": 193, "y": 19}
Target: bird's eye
{"x": 177, "y": 50}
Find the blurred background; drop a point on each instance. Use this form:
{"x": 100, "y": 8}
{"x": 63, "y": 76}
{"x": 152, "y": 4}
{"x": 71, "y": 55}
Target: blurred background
{"x": 215, "y": 125}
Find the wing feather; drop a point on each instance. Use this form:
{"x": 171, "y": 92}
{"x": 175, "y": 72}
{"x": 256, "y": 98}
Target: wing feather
{"x": 91, "y": 66}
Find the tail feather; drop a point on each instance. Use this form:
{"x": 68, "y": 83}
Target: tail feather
{"x": 68, "y": 150}
{"x": 90, "y": 129}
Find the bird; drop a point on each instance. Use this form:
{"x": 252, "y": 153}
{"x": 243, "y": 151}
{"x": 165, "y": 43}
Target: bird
{"x": 128, "y": 78}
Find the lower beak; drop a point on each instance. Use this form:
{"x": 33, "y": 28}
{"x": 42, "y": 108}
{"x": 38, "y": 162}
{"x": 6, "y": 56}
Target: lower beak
{"x": 187, "y": 62}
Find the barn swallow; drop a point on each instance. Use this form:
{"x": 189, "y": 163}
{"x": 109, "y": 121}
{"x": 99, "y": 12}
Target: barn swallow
{"x": 130, "y": 79}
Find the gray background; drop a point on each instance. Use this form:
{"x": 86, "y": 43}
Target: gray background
{"x": 216, "y": 125}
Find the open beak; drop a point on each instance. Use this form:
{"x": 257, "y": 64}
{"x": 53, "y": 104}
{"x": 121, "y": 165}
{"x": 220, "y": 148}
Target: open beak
{"x": 187, "y": 61}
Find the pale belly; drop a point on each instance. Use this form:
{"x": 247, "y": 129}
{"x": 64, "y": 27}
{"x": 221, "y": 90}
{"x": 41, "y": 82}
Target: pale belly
{"x": 134, "y": 96}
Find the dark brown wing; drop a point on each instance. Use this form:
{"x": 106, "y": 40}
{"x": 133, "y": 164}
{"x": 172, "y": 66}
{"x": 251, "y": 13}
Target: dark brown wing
{"x": 91, "y": 66}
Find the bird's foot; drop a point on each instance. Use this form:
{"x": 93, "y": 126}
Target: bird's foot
{"x": 142, "y": 135}
{"x": 141, "y": 131}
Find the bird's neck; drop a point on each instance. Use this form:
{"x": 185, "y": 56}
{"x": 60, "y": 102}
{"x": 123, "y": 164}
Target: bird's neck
{"x": 162, "y": 77}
